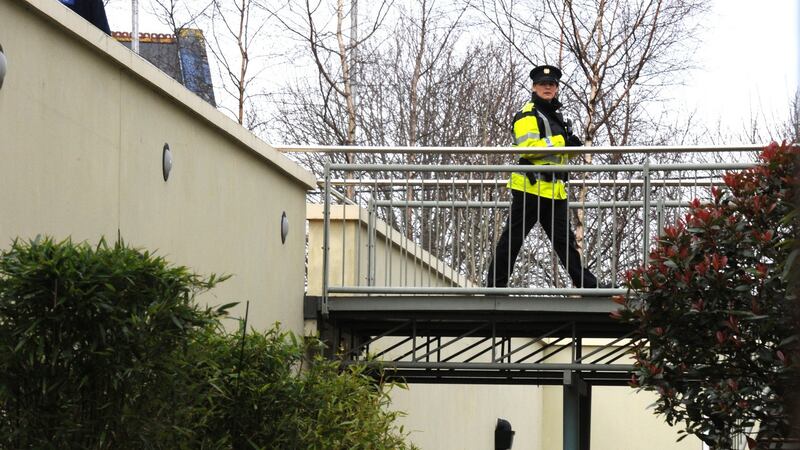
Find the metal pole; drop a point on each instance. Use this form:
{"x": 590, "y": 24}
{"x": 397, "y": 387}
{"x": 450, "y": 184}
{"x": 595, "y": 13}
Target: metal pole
{"x": 577, "y": 412}
{"x": 646, "y": 213}
{"x": 371, "y": 211}
{"x": 135, "y": 26}
{"x": 354, "y": 51}
{"x": 660, "y": 214}
{"x": 325, "y": 240}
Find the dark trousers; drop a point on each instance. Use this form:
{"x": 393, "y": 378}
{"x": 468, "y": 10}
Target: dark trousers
{"x": 526, "y": 210}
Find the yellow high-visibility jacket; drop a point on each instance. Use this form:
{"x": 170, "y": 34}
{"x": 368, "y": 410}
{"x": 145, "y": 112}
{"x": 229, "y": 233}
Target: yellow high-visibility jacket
{"x": 540, "y": 127}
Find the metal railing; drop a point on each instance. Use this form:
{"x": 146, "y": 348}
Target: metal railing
{"x": 432, "y": 229}
{"x": 504, "y": 150}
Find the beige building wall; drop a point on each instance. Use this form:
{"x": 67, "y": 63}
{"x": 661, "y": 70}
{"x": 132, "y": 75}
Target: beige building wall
{"x": 398, "y": 262}
{"x": 83, "y": 122}
{"x": 463, "y": 417}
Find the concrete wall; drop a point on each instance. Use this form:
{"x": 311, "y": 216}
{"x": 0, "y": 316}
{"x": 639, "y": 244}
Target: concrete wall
{"x": 456, "y": 417}
{"x": 463, "y": 417}
{"x": 82, "y": 125}
{"x": 398, "y": 262}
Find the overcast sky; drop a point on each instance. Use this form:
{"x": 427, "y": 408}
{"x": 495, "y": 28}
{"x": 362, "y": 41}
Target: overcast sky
{"x": 748, "y": 60}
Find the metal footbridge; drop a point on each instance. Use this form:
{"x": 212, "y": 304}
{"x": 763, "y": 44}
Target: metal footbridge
{"x": 405, "y": 248}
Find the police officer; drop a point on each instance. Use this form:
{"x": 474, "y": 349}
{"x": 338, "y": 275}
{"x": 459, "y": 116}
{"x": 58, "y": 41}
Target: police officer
{"x": 540, "y": 196}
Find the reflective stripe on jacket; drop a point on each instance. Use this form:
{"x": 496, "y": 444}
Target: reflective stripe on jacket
{"x": 533, "y": 128}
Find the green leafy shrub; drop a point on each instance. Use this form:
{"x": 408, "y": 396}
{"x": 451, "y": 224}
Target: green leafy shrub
{"x": 719, "y": 308}
{"x": 267, "y": 392}
{"x": 103, "y": 347}
{"x": 86, "y": 336}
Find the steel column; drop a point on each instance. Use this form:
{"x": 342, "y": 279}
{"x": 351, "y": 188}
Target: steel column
{"x": 577, "y": 412}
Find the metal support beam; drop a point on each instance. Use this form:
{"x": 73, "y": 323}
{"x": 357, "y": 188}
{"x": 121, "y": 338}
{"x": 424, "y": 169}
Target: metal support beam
{"x": 326, "y": 214}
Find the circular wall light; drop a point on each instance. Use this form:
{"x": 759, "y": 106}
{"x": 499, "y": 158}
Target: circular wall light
{"x": 166, "y": 161}
{"x": 284, "y": 227}
{"x": 3, "y": 66}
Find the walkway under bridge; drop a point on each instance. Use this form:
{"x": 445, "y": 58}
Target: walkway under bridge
{"x": 406, "y": 245}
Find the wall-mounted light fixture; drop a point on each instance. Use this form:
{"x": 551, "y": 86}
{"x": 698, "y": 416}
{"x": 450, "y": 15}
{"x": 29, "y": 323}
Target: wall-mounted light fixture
{"x": 3, "y": 66}
{"x": 166, "y": 161}
{"x": 284, "y": 227}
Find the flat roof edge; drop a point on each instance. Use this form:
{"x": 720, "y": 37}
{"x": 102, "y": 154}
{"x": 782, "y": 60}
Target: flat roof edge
{"x": 64, "y": 18}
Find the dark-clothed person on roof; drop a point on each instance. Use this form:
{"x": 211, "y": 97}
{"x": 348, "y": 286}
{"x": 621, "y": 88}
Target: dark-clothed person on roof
{"x": 91, "y": 10}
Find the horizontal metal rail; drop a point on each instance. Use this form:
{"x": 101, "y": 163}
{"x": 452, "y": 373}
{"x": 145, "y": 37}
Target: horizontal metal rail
{"x": 539, "y": 168}
{"x": 458, "y": 182}
{"x": 494, "y": 366}
{"x": 504, "y": 204}
{"x": 503, "y": 150}
{"x": 430, "y": 290}
{"x": 404, "y": 305}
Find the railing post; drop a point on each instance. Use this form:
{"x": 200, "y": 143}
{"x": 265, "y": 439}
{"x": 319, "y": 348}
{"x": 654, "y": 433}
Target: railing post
{"x": 326, "y": 217}
{"x": 371, "y": 212}
{"x": 646, "y": 214}
{"x": 660, "y": 214}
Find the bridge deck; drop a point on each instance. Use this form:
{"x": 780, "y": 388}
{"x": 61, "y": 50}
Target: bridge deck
{"x": 480, "y": 339}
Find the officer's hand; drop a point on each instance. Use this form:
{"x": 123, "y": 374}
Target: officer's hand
{"x": 573, "y": 141}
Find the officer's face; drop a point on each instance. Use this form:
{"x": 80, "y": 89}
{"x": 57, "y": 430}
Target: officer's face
{"x": 546, "y": 90}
